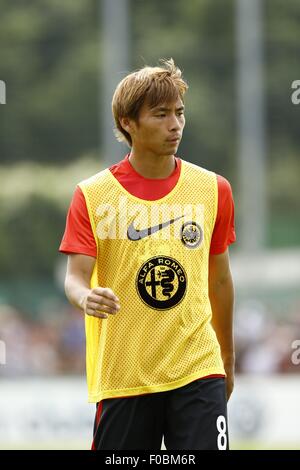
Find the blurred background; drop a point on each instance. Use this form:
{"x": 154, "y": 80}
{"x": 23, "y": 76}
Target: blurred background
{"x": 59, "y": 64}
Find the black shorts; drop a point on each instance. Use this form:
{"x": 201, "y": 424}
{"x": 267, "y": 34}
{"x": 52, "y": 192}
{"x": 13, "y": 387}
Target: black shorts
{"x": 193, "y": 417}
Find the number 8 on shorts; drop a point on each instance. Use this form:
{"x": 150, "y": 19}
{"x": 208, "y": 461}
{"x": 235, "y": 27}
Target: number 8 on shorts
{"x": 222, "y": 436}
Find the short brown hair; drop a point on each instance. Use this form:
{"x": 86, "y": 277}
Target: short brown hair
{"x": 155, "y": 84}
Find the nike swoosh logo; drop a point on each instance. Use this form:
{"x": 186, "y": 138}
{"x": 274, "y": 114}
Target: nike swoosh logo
{"x": 134, "y": 234}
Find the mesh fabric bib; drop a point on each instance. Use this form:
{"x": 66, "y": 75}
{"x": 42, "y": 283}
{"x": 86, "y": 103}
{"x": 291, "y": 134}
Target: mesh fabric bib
{"x": 154, "y": 256}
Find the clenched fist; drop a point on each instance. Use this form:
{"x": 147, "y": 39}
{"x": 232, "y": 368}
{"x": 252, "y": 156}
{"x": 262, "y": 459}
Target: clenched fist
{"x": 100, "y": 300}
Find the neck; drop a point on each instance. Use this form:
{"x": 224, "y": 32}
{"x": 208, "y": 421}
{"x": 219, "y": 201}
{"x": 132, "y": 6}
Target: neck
{"x": 152, "y": 166}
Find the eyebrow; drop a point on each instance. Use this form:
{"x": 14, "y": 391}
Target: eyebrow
{"x": 163, "y": 108}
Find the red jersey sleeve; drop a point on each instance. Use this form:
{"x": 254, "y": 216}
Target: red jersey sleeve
{"x": 224, "y": 231}
{"x": 78, "y": 236}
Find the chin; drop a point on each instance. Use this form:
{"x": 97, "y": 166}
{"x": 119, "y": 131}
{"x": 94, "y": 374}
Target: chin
{"x": 168, "y": 153}
{"x": 172, "y": 148}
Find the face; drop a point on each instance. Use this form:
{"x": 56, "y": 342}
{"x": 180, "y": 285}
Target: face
{"x": 158, "y": 130}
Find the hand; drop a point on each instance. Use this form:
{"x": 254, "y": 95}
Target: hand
{"x": 229, "y": 380}
{"x": 100, "y": 300}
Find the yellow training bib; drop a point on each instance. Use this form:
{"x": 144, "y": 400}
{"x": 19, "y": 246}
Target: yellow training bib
{"x": 154, "y": 256}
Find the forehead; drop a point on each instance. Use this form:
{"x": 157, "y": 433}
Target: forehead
{"x": 166, "y": 105}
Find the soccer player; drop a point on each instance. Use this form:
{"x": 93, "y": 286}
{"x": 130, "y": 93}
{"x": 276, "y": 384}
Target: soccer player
{"x": 147, "y": 243}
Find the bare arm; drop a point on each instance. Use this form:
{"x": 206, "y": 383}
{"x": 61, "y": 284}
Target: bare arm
{"x": 98, "y": 302}
{"x": 221, "y": 294}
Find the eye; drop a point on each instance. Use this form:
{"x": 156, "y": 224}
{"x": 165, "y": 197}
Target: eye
{"x": 160, "y": 115}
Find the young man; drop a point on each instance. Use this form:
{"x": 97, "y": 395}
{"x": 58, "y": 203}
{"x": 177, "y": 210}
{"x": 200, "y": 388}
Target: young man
{"x": 148, "y": 265}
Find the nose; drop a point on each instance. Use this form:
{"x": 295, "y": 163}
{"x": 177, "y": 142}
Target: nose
{"x": 175, "y": 123}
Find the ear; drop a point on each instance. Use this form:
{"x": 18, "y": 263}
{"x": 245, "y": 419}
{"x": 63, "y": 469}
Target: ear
{"x": 126, "y": 124}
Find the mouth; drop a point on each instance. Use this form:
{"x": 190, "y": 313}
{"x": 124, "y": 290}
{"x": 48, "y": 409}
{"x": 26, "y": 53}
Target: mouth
{"x": 174, "y": 140}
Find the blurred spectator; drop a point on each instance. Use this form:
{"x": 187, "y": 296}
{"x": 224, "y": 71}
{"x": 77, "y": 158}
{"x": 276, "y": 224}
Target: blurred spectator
{"x": 54, "y": 343}
{"x": 49, "y": 345}
{"x": 263, "y": 341}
